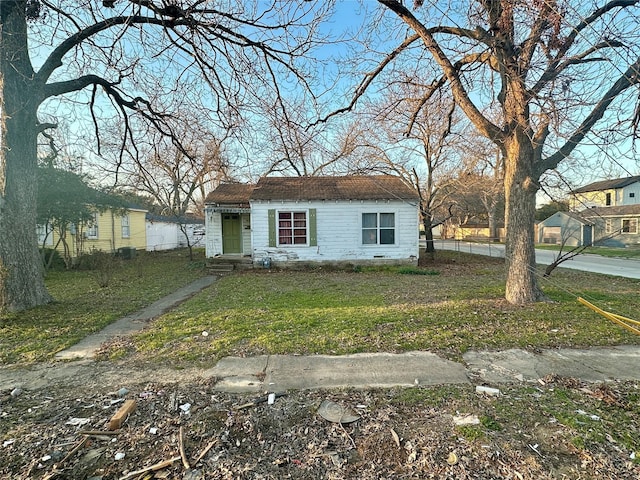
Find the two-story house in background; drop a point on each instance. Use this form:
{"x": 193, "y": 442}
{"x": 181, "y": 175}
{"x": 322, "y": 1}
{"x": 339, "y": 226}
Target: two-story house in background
{"x": 605, "y": 213}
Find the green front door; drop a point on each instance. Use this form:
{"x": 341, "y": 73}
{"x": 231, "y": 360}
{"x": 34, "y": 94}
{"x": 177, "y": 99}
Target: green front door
{"x": 231, "y": 233}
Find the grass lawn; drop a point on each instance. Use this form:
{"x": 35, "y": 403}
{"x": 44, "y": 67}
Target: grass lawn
{"x": 82, "y": 306}
{"x": 456, "y": 307}
{"x": 630, "y": 252}
{"x": 456, "y": 304}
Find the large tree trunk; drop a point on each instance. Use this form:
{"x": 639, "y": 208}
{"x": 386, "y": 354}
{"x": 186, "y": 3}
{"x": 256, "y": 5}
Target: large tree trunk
{"x": 23, "y": 277}
{"x": 520, "y": 192}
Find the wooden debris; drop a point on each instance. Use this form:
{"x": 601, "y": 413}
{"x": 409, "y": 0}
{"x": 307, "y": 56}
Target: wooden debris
{"x": 258, "y": 401}
{"x": 183, "y": 455}
{"x": 205, "y": 451}
{"x": 152, "y": 468}
{"x": 121, "y": 415}
{"x": 98, "y": 433}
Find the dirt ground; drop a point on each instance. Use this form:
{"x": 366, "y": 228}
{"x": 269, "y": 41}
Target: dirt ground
{"x": 57, "y": 427}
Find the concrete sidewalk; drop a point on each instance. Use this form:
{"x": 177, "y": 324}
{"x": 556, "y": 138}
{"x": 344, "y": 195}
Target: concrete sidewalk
{"x": 135, "y": 322}
{"x": 277, "y": 373}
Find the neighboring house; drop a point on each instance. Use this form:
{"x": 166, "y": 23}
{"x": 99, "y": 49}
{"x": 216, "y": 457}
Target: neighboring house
{"x": 476, "y": 231}
{"x": 605, "y": 213}
{"x": 108, "y": 231}
{"x": 293, "y": 220}
{"x": 617, "y": 225}
{"x": 566, "y": 228}
{"x": 164, "y": 232}
{"x": 606, "y": 193}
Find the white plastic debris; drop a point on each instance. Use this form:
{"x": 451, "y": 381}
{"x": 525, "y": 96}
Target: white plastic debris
{"x": 185, "y": 407}
{"x": 468, "y": 419}
{"x": 153, "y": 430}
{"x": 205, "y": 333}
{"x": 123, "y": 392}
{"x": 46, "y": 458}
{"x": 487, "y": 390}
{"x": 16, "y": 392}
{"x": 78, "y": 421}
{"x": 6, "y": 443}
{"x": 271, "y": 399}
{"x": 119, "y": 456}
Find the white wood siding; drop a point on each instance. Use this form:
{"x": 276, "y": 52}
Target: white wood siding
{"x": 339, "y": 232}
{"x": 213, "y": 233}
{"x": 627, "y": 199}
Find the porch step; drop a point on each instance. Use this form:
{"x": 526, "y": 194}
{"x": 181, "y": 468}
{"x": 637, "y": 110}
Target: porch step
{"x": 219, "y": 268}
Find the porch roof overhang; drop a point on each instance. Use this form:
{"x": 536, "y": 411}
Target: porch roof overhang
{"x": 228, "y": 209}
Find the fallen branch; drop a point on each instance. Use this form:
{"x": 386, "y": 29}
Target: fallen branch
{"x": 152, "y": 468}
{"x": 183, "y": 455}
{"x": 258, "y": 401}
{"x": 205, "y": 451}
{"x": 93, "y": 433}
{"x": 71, "y": 453}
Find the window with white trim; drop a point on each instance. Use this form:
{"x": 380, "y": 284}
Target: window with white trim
{"x": 608, "y": 226}
{"x": 126, "y": 230}
{"x": 92, "y": 226}
{"x": 630, "y": 225}
{"x": 44, "y": 233}
{"x": 378, "y": 229}
{"x": 292, "y": 228}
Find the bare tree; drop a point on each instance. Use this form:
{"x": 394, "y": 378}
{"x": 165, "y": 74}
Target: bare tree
{"x": 131, "y": 57}
{"x": 297, "y": 146}
{"x": 424, "y": 156}
{"x": 177, "y": 178}
{"x": 536, "y": 78}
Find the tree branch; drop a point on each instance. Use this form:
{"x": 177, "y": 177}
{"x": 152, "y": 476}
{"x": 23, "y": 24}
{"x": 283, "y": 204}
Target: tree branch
{"x": 487, "y": 128}
{"x": 626, "y": 80}
{"x": 553, "y": 69}
{"x": 369, "y": 78}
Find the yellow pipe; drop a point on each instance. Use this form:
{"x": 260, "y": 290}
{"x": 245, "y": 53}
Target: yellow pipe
{"x": 620, "y": 320}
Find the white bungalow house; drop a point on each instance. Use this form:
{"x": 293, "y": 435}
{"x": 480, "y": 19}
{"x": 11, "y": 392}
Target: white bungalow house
{"x": 286, "y": 221}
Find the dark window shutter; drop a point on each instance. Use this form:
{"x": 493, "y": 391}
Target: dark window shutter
{"x": 313, "y": 235}
{"x": 272, "y": 228}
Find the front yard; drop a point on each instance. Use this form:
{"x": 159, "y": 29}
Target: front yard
{"x": 558, "y": 428}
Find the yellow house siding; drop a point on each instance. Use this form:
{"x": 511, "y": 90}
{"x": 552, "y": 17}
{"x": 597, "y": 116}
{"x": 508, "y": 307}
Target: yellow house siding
{"x": 110, "y": 234}
{"x": 581, "y": 201}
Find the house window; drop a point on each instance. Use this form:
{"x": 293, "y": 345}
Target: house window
{"x": 608, "y": 199}
{"x": 378, "y": 228}
{"x": 608, "y": 226}
{"x": 292, "y": 228}
{"x": 630, "y": 225}
{"x": 632, "y": 195}
{"x": 92, "y": 227}
{"x": 126, "y": 232}
{"x": 44, "y": 234}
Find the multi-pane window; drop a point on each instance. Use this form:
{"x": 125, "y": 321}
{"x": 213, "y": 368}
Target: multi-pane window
{"x": 126, "y": 231}
{"x": 378, "y": 228}
{"x": 92, "y": 227}
{"x": 630, "y": 225}
{"x": 292, "y": 228}
{"x": 608, "y": 226}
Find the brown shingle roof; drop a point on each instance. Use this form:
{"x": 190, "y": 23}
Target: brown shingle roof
{"x": 608, "y": 184}
{"x": 230, "y": 194}
{"x": 350, "y": 187}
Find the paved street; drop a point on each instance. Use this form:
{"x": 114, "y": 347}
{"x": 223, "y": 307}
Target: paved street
{"x": 621, "y": 267}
